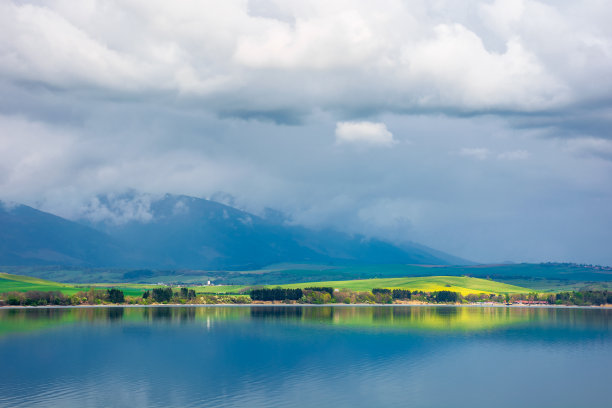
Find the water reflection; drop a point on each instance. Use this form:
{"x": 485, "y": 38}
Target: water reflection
{"x": 380, "y": 317}
{"x": 273, "y": 356}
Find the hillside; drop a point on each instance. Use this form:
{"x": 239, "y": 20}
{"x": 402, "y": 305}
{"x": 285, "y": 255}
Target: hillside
{"x": 541, "y": 277}
{"x": 189, "y": 232}
{"x": 180, "y": 232}
{"x": 18, "y": 283}
{"x": 32, "y": 237}
{"x": 462, "y": 284}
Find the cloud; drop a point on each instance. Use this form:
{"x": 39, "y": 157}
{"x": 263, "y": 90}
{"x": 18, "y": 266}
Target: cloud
{"x": 364, "y": 133}
{"x": 238, "y": 97}
{"x": 479, "y": 153}
{"x": 119, "y": 209}
{"x": 248, "y": 59}
{"x": 595, "y": 147}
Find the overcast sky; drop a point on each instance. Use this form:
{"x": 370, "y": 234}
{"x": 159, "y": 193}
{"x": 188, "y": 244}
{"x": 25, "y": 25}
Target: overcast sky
{"x": 480, "y": 128}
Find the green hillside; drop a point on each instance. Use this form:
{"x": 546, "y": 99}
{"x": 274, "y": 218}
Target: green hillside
{"x": 539, "y": 277}
{"x": 19, "y": 283}
{"x": 462, "y": 284}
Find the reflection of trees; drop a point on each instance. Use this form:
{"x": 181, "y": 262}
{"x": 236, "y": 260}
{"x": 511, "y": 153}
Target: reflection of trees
{"x": 176, "y": 314}
{"x": 115, "y": 313}
{"x": 277, "y": 313}
{"x": 157, "y": 313}
{"x": 184, "y": 314}
{"x": 35, "y": 314}
{"x": 321, "y": 314}
{"x": 387, "y": 317}
{"x": 382, "y": 314}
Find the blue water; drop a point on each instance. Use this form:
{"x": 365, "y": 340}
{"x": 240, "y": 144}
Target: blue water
{"x": 305, "y": 357}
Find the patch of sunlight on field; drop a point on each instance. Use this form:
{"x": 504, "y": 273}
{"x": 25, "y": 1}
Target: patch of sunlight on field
{"x": 219, "y": 289}
{"x": 19, "y": 283}
{"x": 462, "y": 284}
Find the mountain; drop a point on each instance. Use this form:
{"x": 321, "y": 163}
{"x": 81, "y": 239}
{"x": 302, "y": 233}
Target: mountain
{"x": 181, "y": 232}
{"x": 32, "y": 237}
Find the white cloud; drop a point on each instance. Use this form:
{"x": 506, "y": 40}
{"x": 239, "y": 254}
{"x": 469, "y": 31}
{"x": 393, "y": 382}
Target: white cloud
{"x": 479, "y": 153}
{"x": 119, "y": 210}
{"x": 364, "y": 133}
{"x": 391, "y": 55}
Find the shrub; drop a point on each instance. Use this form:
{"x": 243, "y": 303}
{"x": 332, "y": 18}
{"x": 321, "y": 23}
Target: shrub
{"x": 322, "y": 289}
{"x": 316, "y": 298}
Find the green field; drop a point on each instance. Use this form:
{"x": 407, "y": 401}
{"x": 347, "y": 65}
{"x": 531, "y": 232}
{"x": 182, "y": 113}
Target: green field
{"x": 20, "y": 283}
{"x": 462, "y": 284}
{"x": 538, "y": 277}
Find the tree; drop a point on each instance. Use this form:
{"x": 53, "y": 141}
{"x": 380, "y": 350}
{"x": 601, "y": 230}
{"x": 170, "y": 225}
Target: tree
{"x": 115, "y": 296}
{"x": 162, "y": 294}
{"x": 446, "y": 296}
{"x": 184, "y": 293}
{"x": 401, "y": 294}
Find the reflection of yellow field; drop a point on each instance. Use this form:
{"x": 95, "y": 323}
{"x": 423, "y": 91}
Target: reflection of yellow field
{"x": 428, "y": 318}
{"x": 462, "y": 284}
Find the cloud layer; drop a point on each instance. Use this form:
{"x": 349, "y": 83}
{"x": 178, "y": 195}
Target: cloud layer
{"x": 516, "y": 55}
{"x": 481, "y": 128}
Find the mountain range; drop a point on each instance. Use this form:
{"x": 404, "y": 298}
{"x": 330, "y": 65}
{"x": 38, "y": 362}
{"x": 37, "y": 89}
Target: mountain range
{"x": 181, "y": 232}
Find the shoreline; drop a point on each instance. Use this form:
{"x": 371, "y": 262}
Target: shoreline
{"x": 176, "y": 305}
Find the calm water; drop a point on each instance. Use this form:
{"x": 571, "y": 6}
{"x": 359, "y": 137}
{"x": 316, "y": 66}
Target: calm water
{"x": 306, "y": 357}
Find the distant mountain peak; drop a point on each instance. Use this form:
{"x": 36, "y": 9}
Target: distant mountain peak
{"x": 176, "y": 231}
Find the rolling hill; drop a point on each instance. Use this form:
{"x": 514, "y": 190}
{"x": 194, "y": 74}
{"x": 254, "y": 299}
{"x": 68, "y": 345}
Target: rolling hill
{"x": 462, "y": 284}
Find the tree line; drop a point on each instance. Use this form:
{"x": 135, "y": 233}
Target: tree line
{"x": 57, "y": 298}
{"x": 266, "y": 294}
{"x": 161, "y": 295}
{"x": 310, "y": 295}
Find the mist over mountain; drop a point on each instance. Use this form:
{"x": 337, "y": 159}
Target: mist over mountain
{"x": 175, "y": 232}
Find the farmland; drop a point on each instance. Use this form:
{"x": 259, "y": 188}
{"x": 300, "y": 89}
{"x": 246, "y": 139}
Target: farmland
{"x": 462, "y": 284}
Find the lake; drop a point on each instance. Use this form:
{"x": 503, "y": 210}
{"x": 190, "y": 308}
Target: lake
{"x": 305, "y": 356}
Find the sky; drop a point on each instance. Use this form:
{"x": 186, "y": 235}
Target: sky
{"x": 479, "y": 128}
